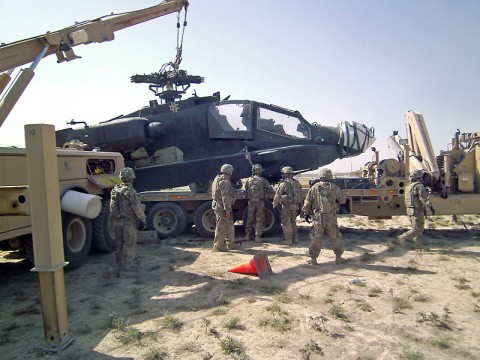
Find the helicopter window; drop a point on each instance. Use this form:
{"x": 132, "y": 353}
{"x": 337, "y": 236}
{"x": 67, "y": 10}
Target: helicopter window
{"x": 282, "y": 124}
{"x": 230, "y": 120}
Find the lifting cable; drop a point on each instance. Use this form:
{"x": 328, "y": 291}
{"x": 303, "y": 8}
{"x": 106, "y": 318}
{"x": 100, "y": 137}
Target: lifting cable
{"x": 178, "y": 58}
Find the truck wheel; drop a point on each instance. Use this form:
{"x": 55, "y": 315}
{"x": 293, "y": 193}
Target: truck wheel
{"x": 77, "y": 239}
{"x": 204, "y": 220}
{"x": 272, "y": 220}
{"x": 200, "y": 187}
{"x": 103, "y": 233}
{"x": 167, "y": 219}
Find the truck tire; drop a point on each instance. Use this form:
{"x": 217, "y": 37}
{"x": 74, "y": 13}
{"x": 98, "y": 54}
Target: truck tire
{"x": 167, "y": 219}
{"x": 204, "y": 220}
{"x": 77, "y": 239}
{"x": 272, "y": 220}
{"x": 104, "y": 234}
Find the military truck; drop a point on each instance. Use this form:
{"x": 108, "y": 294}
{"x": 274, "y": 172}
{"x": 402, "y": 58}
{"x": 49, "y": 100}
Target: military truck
{"x": 85, "y": 177}
{"x": 85, "y": 180}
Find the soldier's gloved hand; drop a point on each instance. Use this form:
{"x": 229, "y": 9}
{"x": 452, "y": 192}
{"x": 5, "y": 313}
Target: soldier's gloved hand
{"x": 144, "y": 225}
{"x": 432, "y": 209}
{"x": 308, "y": 219}
{"x": 299, "y": 212}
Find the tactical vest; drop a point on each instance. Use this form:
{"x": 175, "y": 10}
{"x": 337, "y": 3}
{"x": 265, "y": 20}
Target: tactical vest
{"x": 217, "y": 191}
{"x": 297, "y": 188}
{"x": 119, "y": 201}
{"x": 412, "y": 199}
{"x": 288, "y": 196}
{"x": 325, "y": 199}
{"x": 256, "y": 188}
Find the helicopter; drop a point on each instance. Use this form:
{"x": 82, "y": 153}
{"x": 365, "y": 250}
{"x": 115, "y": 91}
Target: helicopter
{"x": 175, "y": 142}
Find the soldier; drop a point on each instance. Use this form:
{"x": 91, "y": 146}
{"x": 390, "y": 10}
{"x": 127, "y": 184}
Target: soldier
{"x": 323, "y": 201}
{"x": 222, "y": 202}
{"x": 416, "y": 202}
{"x": 126, "y": 210}
{"x": 297, "y": 191}
{"x": 285, "y": 197}
{"x": 258, "y": 188}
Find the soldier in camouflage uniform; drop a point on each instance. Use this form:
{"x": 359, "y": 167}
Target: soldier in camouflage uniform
{"x": 417, "y": 200}
{"x": 222, "y": 202}
{"x": 285, "y": 197}
{"x": 258, "y": 188}
{"x": 126, "y": 210}
{"x": 297, "y": 191}
{"x": 323, "y": 201}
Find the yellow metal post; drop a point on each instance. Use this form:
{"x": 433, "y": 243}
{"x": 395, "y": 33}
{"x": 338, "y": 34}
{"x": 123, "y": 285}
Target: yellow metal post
{"x": 47, "y": 232}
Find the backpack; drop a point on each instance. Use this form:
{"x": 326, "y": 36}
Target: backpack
{"x": 118, "y": 202}
{"x": 256, "y": 188}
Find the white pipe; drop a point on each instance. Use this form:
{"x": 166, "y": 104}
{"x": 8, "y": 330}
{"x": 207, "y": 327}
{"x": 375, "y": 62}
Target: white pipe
{"x": 82, "y": 204}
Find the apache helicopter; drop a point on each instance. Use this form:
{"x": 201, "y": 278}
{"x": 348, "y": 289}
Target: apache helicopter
{"x": 184, "y": 142}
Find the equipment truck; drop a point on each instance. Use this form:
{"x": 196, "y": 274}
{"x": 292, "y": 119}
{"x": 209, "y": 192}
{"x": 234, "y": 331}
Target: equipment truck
{"x": 452, "y": 177}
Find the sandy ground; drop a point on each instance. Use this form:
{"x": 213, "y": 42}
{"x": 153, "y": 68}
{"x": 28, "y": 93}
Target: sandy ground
{"x": 181, "y": 303}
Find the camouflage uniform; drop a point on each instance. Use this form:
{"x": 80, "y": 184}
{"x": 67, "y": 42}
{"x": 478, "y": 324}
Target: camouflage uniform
{"x": 126, "y": 210}
{"x": 222, "y": 202}
{"x": 416, "y": 200}
{"x": 285, "y": 196}
{"x": 297, "y": 190}
{"x": 323, "y": 200}
{"x": 258, "y": 188}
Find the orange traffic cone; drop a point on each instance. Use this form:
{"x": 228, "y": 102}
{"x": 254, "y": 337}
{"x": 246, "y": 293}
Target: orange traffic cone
{"x": 258, "y": 266}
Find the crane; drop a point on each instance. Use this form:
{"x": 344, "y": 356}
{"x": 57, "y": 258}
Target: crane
{"x": 61, "y": 43}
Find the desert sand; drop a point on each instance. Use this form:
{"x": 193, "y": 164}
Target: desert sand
{"x": 180, "y": 302}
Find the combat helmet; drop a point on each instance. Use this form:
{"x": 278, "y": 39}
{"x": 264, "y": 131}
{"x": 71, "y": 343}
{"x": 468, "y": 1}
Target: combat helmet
{"x": 257, "y": 169}
{"x": 127, "y": 174}
{"x": 226, "y": 169}
{"x": 287, "y": 170}
{"x": 325, "y": 174}
{"x": 416, "y": 174}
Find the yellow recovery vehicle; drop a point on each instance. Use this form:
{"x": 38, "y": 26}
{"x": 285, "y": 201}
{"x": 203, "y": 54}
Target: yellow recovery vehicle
{"x": 85, "y": 177}
{"x": 453, "y": 177}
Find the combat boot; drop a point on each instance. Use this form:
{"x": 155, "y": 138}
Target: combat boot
{"x": 220, "y": 248}
{"x": 258, "y": 238}
{"x": 313, "y": 261}
{"x": 232, "y": 245}
{"x": 340, "y": 260}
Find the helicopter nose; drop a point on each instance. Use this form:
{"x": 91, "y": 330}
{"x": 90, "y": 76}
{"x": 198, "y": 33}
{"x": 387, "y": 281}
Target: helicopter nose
{"x": 354, "y": 138}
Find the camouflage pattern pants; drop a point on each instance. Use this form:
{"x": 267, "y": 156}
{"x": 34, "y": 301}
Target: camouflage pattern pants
{"x": 289, "y": 224}
{"x": 417, "y": 220}
{"x": 126, "y": 236}
{"x": 256, "y": 214}
{"x": 224, "y": 230}
{"x": 325, "y": 224}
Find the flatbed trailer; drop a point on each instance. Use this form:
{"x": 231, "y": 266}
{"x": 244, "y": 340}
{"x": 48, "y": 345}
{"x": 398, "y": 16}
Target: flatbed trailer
{"x": 169, "y": 213}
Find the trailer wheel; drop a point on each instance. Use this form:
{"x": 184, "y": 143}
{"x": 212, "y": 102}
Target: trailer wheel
{"x": 272, "y": 220}
{"x": 167, "y": 219}
{"x": 204, "y": 220}
{"x": 103, "y": 233}
{"x": 77, "y": 239}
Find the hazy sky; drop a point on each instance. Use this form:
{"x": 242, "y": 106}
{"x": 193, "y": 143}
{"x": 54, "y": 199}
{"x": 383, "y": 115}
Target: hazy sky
{"x": 369, "y": 61}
